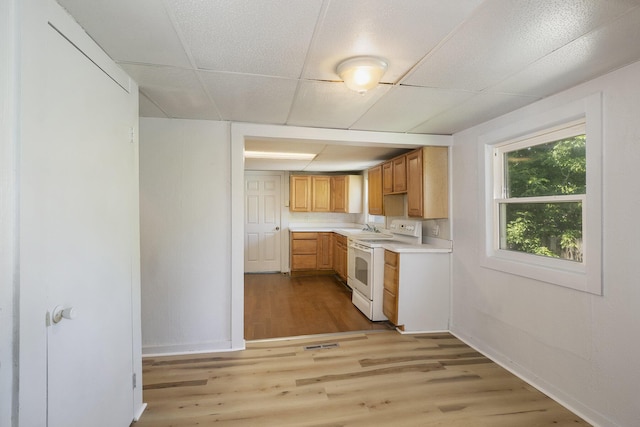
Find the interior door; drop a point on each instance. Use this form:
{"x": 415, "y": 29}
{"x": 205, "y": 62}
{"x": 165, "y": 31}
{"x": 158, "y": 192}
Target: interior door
{"x": 262, "y": 222}
{"x": 85, "y": 195}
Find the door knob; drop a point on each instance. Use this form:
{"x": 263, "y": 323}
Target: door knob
{"x": 277, "y": 228}
{"x": 60, "y": 313}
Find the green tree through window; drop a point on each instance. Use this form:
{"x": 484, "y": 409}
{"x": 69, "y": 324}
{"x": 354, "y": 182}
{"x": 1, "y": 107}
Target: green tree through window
{"x": 544, "y": 185}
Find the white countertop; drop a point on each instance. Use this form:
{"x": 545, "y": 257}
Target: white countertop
{"x": 433, "y": 245}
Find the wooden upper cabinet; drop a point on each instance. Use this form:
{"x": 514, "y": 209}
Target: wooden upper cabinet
{"x": 346, "y": 193}
{"x": 428, "y": 183}
{"x": 299, "y": 193}
{"x": 325, "y": 193}
{"x": 400, "y": 174}
{"x": 394, "y": 176}
{"x": 387, "y": 177}
{"x": 320, "y": 193}
{"x": 375, "y": 191}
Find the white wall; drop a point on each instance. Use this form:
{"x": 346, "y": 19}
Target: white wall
{"x": 8, "y": 98}
{"x": 580, "y": 348}
{"x": 185, "y": 236}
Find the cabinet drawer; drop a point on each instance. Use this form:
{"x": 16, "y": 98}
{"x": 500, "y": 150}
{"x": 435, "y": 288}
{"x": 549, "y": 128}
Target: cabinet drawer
{"x": 341, "y": 240}
{"x": 304, "y": 247}
{"x": 299, "y": 235}
{"x": 303, "y": 262}
{"x": 391, "y": 258}
{"x": 390, "y": 307}
{"x": 391, "y": 280}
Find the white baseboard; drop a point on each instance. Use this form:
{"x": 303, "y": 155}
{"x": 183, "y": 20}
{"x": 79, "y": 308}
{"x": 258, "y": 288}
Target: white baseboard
{"x": 184, "y": 349}
{"x": 139, "y": 412}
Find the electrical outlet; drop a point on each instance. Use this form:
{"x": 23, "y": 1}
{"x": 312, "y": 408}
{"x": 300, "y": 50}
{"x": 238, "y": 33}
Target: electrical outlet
{"x": 435, "y": 230}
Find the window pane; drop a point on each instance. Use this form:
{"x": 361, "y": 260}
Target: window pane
{"x": 551, "y": 169}
{"x": 547, "y": 229}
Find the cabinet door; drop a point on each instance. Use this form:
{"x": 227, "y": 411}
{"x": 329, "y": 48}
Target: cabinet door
{"x": 325, "y": 252}
{"x": 339, "y": 194}
{"x": 391, "y": 287}
{"x": 375, "y": 191}
{"x": 414, "y": 184}
{"x": 400, "y": 174}
{"x": 320, "y": 193}
{"x": 387, "y": 177}
{"x": 299, "y": 193}
{"x": 435, "y": 180}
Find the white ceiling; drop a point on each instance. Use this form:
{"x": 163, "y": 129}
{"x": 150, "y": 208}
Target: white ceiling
{"x": 452, "y": 64}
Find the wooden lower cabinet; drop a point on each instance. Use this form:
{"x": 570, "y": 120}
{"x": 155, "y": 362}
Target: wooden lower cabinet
{"x": 320, "y": 252}
{"x": 304, "y": 251}
{"x": 324, "y": 255}
{"x": 340, "y": 256}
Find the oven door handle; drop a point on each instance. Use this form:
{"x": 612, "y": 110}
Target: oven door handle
{"x": 359, "y": 247}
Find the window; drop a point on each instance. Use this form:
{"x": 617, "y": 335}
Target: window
{"x": 543, "y": 197}
{"x": 540, "y": 193}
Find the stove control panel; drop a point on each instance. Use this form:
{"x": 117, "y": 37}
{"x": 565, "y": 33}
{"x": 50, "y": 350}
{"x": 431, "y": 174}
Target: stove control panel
{"x": 406, "y": 227}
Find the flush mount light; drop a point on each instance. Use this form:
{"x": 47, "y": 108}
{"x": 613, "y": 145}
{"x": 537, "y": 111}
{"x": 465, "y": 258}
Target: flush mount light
{"x": 278, "y": 156}
{"x": 362, "y": 73}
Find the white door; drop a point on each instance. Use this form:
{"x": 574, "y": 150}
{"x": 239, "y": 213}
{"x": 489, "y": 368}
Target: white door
{"x": 262, "y": 222}
{"x": 84, "y": 212}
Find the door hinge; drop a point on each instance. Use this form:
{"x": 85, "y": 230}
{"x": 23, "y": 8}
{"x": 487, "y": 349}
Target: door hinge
{"x": 134, "y": 378}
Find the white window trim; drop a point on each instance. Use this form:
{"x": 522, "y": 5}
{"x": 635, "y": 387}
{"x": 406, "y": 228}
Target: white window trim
{"x": 585, "y": 276}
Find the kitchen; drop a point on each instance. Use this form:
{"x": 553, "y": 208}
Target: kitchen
{"x": 336, "y": 222}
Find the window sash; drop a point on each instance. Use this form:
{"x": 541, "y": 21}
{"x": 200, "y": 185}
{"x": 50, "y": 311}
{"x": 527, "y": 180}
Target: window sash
{"x": 498, "y": 227}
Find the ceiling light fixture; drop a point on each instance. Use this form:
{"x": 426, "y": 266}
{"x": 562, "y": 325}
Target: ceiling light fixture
{"x": 362, "y": 73}
{"x": 278, "y": 155}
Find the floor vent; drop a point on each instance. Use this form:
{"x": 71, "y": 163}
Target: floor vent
{"x": 321, "y": 346}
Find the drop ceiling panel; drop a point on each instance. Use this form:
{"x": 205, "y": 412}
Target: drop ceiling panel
{"x": 382, "y": 28}
{"x": 476, "y": 110}
{"x": 247, "y": 36}
{"x": 597, "y": 53}
{"x": 248, "y": 98}
{"x": 176, "y": 91}
{"x": 331, "y": 104}
{"x": 404, "y": 108}
{"x": 505, "y": 36}
{"x": 131, "y": 31}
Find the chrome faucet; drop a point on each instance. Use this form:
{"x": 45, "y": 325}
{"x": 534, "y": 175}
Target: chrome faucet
{"x": 368, "y": 227}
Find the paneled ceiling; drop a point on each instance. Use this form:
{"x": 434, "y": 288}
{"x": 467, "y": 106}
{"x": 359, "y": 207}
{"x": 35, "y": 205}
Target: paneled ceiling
{"x": 452, "y": 64}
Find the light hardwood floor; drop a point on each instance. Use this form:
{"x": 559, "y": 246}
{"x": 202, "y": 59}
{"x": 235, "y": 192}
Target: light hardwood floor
{"x": 278, "y": 305}
{"x": 377, "y": 378}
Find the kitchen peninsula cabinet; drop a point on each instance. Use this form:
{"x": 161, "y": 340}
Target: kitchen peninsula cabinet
{"x": 427, "y": 183}
{"x": 375, "y": 191}
{"x": 416, "y": 290}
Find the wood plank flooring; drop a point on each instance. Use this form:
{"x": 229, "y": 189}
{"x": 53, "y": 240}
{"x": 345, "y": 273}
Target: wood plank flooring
{"x": 278, "y": 305}
{"x": 377, "y": 378}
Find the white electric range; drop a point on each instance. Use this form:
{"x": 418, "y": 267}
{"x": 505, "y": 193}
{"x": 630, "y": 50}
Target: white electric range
{"x": 365, "y": 274}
